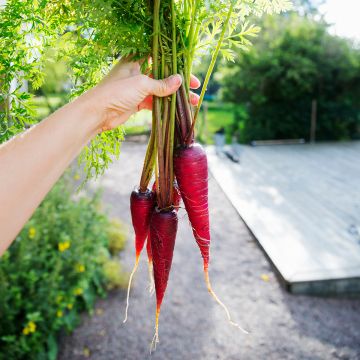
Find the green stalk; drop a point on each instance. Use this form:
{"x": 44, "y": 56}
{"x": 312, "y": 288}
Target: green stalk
{"x": 173, "y": 99}
{"x": 210, "y": 69}
{"x": 156, "y": 103}
{"x": 187, "y": 16}
{"x": 191, "y": 46}
{"x": 149, "y": 161}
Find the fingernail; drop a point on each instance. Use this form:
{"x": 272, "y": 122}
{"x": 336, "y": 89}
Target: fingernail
{"x": 175, "y": 79}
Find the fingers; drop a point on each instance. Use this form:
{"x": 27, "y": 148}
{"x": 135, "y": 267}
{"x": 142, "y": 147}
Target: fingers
{"x": 163, "y": 87}
{"x": 124, "y": 68}
{"x": 194, "y": 82}
{"x": 194, "y": 98}
{"x": 147, "y": 103}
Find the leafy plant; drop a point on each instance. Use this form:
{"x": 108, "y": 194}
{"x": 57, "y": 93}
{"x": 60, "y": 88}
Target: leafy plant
{"x": 97, "y": 32}
{"x": 55, "y": 268}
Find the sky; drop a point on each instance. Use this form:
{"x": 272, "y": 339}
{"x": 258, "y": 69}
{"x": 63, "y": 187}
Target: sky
{"x": 345, "y": 15}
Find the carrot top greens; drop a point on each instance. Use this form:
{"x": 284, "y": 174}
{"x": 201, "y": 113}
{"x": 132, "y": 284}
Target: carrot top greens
{"x": 97, "y": 32}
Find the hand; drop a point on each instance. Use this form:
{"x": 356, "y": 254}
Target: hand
{"x": 124, "y": 91}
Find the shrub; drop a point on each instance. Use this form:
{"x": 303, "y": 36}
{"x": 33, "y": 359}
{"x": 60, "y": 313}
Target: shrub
{"x": 114, "y": 275}
{"x": 295, "y": 62}
{"x": 117, "y": 234}
{"x": 53, "y": 270}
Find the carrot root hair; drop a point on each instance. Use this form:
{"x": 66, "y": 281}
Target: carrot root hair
{"x": 129, "y": 285}
{"x": 151, "y": 278}
{"x": 155, "y": 339}
{"x": 212, "y": 293}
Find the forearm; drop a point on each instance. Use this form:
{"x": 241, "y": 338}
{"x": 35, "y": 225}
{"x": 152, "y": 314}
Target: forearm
{"x": 33, "y": 161}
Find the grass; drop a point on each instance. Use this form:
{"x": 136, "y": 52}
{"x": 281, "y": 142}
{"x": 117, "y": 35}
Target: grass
{"x": 139, "y": 123}
{"x": 43, "y": 105}
{"x": 219, "y": 115}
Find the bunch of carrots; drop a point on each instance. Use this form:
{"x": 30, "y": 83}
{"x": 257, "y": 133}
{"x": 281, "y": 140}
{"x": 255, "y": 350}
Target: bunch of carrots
{"x": 173, "y": 158}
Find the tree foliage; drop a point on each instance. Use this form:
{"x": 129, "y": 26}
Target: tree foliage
{"x": 295, "y": 62}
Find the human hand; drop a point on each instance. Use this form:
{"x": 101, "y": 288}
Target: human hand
{"x": 124, "y": 91}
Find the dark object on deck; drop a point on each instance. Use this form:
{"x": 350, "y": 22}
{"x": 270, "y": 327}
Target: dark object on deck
{"x": 220, "y": 131}
{"x": 232, "y": 156}
{"x": 278, "y": 142}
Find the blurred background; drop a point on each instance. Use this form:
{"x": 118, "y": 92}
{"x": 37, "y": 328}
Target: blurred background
{"x": 305, "y": 61}
{"x": 281, "y": 125}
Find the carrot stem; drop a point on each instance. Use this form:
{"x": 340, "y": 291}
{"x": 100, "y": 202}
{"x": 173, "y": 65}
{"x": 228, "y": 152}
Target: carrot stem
{"x": 156, "y": 104}
{"x": 209, "y": 71}
{"x": 149, "y": 161}
{"x": 173, "y": 100}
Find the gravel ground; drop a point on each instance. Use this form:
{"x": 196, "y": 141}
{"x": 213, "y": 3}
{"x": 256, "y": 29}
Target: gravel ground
{"x": 192, "y": 325}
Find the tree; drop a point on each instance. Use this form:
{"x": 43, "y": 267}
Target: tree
{"x": 294, "y": 62}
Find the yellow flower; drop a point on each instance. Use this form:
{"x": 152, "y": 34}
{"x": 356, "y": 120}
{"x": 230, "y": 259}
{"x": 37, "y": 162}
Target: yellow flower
{"x": 59, "y": 298}
{"x": 69, "y": 306}
{"x": 32, "y": 232}
{"x": 32, "y": 326}
{"x": 29, "y": 328}
{"x": 265, "y": 277}
{"x": 80, "y": 268}
{"x": 59, "y": 313}
{"x": 76, "y": 177}
{"x": 62, "y": 246}
{"x": 78, "y": 291}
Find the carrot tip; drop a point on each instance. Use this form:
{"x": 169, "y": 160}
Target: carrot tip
{"x": 151, "y": 278}
{"x": 155, "y": 339}
{"x": 129, "y": 286}
{"x": 212, "y": 293}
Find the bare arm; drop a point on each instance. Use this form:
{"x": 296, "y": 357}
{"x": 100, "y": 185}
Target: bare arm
{"x": 33, "y": 161}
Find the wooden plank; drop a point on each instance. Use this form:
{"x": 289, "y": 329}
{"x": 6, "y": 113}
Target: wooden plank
{"x": 302, "y": 203}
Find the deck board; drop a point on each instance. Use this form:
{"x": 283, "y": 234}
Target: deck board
{"x": 302, "y": 203}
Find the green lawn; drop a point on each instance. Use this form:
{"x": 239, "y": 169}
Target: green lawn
{"x": 218, "y": 115}
{"x": 43, "y": 105}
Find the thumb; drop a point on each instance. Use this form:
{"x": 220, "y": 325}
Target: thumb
{"x": 164, "y": 87}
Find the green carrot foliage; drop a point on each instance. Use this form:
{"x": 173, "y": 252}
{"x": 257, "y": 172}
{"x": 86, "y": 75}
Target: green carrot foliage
{"x": 97, "y": 32}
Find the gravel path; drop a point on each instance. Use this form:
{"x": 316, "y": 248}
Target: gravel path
{"x": 192, "y": 325}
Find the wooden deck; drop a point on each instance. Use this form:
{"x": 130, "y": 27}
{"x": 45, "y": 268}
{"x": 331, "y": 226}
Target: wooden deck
{"x": 302, "y": 203}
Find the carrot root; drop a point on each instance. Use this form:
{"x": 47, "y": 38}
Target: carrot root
{"x": 155, "y": 339}
{"x": 212, "y": 293}
{"x": 129, "y": 285}
{"x": 151, "y": 278}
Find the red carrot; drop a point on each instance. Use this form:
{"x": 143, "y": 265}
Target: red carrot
{"x": 141, "y": 206}
{"x": 163, "y": 228}
{"x": 176, "y": 194}
{"x": 191, "y": 170}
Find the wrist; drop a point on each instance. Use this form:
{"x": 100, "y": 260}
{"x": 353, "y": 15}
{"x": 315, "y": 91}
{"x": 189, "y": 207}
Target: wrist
{"x": 91, "y": 110}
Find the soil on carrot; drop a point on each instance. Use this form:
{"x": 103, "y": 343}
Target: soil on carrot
{"x": 193, "y": 326}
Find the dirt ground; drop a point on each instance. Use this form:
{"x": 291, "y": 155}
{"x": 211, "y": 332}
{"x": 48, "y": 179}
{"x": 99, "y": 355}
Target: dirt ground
{"x": 192, "y": 325}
